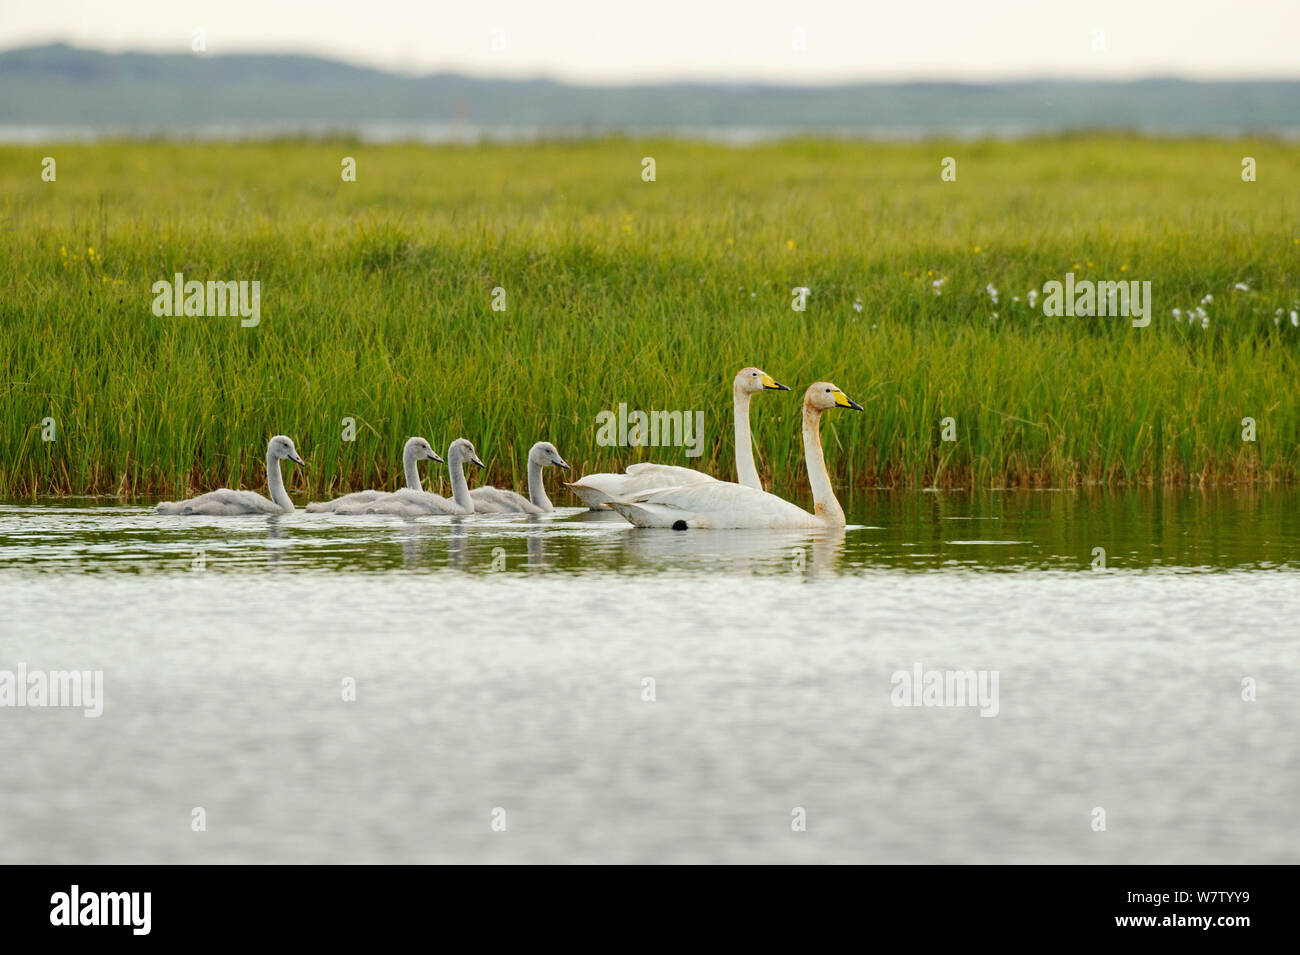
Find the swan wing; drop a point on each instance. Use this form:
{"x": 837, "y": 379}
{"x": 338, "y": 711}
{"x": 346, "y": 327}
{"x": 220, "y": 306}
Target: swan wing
{"x": 668, "y": 475}
{"x": 347, "y": 501}
{"x": 598, "y": 490}
{"x": 408, "y": 503}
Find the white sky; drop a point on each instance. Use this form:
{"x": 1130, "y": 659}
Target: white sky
{"x": 616, "y": 41}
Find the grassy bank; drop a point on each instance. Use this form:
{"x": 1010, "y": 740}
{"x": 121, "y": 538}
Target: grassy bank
{"x": 376, "y": 304}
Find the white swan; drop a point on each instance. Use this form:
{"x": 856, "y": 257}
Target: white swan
{"x": 228, "y": 503}
{"x": 717, "y": 504}
{"x": 408, "y": 503}
{"x": 416, "y": 450}
{"x": 597, "y": 490}
{"x": 491, "y": 500}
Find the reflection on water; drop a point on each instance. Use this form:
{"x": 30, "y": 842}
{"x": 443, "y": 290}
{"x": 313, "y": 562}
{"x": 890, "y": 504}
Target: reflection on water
{"x": 1044, "y": 530}
{"x": 501, "y": 662}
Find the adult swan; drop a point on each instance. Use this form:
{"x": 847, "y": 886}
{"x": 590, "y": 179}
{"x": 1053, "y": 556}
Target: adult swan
{"x": 597, "y": 490}
{"x": 722, "y": 505}
{"x": 228, "y": 503}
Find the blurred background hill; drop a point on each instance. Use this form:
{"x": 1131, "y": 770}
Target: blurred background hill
{"x": 58, "y": 90}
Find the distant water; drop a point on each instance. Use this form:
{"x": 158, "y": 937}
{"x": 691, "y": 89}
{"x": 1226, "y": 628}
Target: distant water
{"x": 470, "y": 134}
{"x": 500, "y": 664}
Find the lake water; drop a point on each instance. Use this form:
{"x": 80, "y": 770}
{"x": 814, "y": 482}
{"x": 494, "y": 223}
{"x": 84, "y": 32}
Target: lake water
{"x": 501, "y": 674}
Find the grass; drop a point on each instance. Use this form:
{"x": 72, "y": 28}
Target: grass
{"x": 376, "y": 305}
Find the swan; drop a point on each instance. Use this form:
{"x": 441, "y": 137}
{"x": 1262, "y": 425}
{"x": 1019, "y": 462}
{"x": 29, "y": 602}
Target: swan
{"x": 416, "y": 450}
{"x": 491, "y": 500}
{"x": 597, "y": 490}
{"x": 718, "y": 504}
{"x": 228, "y": 503}
{"x": 408, "y": 503}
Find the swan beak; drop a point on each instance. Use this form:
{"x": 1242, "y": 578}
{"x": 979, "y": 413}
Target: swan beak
{"x": 844, "y": 401}
{"x": 435, "y": 456}
{"x": 561, "y": 463}
{"x": 475, "y": 460}
{"x": 297, "y": 460}
{"x": 771, "y": 384}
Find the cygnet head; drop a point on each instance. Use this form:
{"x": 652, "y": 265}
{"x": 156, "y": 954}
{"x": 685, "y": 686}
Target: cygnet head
{"x": 282, "y": 447}
{"x": 544, "y": 454}
{"x": 822, "y": 395}
{"x": 752, "y": 380}
{"x": 423, "y": 450}
{"x": 462, "y": 450}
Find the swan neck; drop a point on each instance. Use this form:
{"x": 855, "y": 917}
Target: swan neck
{"x": 275, "y": 482}
{"x": 412, "y": 468}
{"x": 825, "y": 505}
{"x": 746, "y": 472}
{"x": 537, "y": 486}
{"x": 459, "y": 489}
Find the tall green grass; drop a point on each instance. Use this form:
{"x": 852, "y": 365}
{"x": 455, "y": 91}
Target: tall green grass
{"x": 376, "y": 305}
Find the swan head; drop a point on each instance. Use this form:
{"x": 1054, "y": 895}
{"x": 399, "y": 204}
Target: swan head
{"x": 752, "y": 380}
{"x": 282, "y": 447}
{"x": 423, "y": 450}
{"x": 822, "y": 396}
{"x": 462, "y": 450}
{"x": 545, "y": 454}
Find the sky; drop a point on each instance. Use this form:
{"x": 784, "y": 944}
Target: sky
{"x": 617, "y": 42}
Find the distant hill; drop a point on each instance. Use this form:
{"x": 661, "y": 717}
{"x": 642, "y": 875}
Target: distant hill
{"x": 59, "y": 86}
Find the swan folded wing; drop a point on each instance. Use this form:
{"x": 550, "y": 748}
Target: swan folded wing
{"x": 598, "y": 490}
{"x": 491, "y": 500}
{"x": 715, "y": 504}
{"x": 668, "y": 475}
{"x": 408, "y": 503}
{"x": 399, "y": 508}
{"x": 346, "y": 501}
{"x": 222, "y": 503}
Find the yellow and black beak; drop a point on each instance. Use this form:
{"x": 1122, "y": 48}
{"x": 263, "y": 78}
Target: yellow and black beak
{"x": 844, "y": 401}
{"x": 771, "y": 384}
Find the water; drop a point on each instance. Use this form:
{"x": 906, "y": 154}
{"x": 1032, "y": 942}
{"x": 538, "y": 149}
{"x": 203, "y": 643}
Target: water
{"x": 499, "y": 663}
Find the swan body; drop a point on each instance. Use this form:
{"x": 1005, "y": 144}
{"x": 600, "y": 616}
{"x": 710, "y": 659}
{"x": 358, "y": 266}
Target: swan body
{"x": 413, "y": 503}
{"x": 597, "y": 490}
{"x": 228, "y": 503}
{"x": 415, "y": 450}
{"x": 714, "y": 504}
{"x": 724, "y": 505}
{"x": 491, "y": 500}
